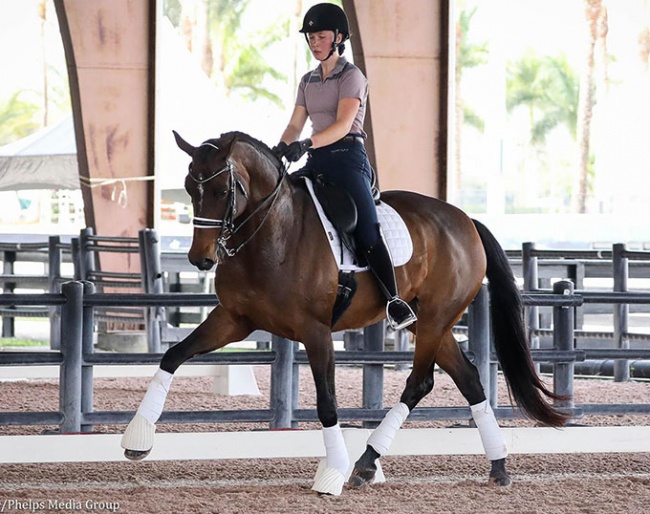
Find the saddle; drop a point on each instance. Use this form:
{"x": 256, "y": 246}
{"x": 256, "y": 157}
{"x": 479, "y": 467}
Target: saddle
{"x": 337, "y": 210}
{"x": 339, "y": 207}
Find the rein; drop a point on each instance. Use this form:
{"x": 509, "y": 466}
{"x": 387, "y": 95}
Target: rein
{"x": 227, "y": 224}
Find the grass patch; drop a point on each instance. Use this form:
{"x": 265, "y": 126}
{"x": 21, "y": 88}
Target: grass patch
{"x": 16, "y": 342}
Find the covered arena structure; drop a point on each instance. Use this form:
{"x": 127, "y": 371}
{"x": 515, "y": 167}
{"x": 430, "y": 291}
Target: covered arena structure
{"x": 111, "y": 53}
{"x": 112, "y": 58}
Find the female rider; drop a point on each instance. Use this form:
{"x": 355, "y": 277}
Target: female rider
{"x": 333, "y": 96}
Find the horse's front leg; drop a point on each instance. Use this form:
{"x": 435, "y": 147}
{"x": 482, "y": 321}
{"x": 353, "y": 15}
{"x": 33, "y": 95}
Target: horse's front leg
{"x": 218, "y": 329}
{"x": 332, "y": 471}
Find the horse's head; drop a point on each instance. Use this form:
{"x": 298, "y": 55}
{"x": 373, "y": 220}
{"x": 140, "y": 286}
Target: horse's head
{"x": 219, "y": 184}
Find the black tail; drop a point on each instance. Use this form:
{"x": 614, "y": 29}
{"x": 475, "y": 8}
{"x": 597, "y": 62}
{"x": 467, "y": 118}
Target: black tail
{"x": 510, "y": 339}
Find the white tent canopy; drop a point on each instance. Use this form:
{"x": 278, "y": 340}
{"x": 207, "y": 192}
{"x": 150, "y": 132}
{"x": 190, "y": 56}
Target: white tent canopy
{"x": 46, "y": 159}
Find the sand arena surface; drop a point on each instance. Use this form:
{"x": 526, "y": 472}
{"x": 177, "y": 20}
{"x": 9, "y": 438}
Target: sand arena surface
{"x": 587, "y": 483}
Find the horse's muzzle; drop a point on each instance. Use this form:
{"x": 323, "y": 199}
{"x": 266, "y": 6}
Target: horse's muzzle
{"x": 202, "y": 254}
{"x": 204, "y": 264}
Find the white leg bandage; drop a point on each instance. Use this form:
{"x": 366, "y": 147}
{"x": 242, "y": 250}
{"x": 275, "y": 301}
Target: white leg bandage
{"x": 493, "y": 441}
{"x": 140, "y": 432}
{"x": 154, "y": 400}
{"x": 332, "y": 471}
{"x": 335, "y": 450}
{"x": 383, "y": 435}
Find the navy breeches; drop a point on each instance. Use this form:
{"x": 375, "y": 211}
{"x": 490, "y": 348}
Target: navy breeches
{"x": 346, "y": 165}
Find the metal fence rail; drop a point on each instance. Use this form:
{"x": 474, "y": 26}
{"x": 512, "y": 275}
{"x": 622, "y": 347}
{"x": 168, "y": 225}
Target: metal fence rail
{"x": 76, "y": 359}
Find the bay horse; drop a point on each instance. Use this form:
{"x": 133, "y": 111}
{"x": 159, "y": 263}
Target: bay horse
{"x": 275, "y": 272}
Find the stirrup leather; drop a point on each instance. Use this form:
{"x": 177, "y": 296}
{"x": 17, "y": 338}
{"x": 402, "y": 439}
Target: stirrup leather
{"x": 407, "y": 320}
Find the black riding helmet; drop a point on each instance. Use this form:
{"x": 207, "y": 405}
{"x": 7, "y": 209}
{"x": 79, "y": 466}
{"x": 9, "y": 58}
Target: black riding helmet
{"x": 327, "y": 17}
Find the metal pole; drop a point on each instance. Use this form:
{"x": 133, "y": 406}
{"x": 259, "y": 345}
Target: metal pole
{"x": 87, "y": 348}
{"x": 478, "y": 319}
{"x": 54, "y": 258}
{"x": 494, "y": 384}
{"x": 373, "y": 374}
{"x": 620, "y": 273}
{"x": 152, "y": 280}
{"x": 86, "y": 257}
{"x": 563, "y": 340}
{"x": 531, "y": 283}
{"x": 281, "y": 382}
{"x": 295, "y": 386}
{"x": 70, "y": 378}
{"x": 75, "y": 249}
{"x": 8, "y": 323}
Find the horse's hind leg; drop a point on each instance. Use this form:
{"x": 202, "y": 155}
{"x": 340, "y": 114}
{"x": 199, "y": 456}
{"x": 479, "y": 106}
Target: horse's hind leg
{"x": 466, "y": 377}
{"x": 418, "y": 385}
{"x": 215, "y": 332}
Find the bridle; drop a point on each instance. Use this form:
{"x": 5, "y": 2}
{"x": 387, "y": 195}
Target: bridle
{"x": 227, "y": 224}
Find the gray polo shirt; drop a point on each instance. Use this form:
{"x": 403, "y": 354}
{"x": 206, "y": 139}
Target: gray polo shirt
{"x": 321, "y": 98}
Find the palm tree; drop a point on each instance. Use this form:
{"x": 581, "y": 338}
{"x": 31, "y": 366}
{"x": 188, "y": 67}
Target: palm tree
{"x": 42, "y": 15}
{"x": 223, "y": 24}
{"x": 526, "y": 85}
{"x": 297, "y": 47}
{"x": 468, "y": 55}
{"x": 18, "y": 118}
{"x": 596, "y": 17}
{"x": 173, "y": 10}
{"x": 548, "y": 87}
{"x": 212, "y": 30}
{"x": 246, "y": 73}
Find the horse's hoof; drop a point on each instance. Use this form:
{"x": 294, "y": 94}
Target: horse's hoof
{"x": 498, "y": 474}
{"x": 500, "y": 480}
{"x": 361, "y": 477}
{"x": 136, "y": 454}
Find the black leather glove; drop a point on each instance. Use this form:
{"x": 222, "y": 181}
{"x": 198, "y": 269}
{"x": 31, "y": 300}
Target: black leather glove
{"x": 279, "y": 149}
{"x": 297, "y": 149}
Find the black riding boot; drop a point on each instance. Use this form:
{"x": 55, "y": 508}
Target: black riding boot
{"x": 398, "y": 313}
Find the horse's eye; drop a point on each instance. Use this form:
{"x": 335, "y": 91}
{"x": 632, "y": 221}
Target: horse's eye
{"x": 189, "y": 168}
{"x": 220, "y": 194}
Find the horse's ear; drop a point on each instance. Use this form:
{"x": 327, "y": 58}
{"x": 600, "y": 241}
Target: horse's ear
{"x": 184, "y": 145}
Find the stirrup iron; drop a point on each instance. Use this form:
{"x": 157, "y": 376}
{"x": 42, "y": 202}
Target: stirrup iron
{"x": 407, "y": 320}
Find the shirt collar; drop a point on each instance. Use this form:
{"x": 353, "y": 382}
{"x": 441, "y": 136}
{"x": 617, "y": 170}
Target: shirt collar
{"x": 337, "y": 69}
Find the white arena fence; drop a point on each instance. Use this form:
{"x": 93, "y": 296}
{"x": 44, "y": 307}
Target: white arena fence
{"x": 309, "y": 443}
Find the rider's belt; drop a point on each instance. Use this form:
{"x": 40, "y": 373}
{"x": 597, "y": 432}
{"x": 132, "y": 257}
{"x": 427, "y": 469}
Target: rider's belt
{"x": 351, "y": 139}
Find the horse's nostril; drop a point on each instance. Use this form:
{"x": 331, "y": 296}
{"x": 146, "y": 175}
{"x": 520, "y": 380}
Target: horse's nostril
{"x": 201, "y": 261}
{"x": 206, "y": 264}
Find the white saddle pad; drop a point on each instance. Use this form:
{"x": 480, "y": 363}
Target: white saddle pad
{"x": 393, "y": 227}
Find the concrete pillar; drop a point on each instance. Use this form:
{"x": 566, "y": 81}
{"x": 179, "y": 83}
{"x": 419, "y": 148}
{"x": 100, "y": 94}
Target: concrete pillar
{"x": 109, "y": 48}
{"x": 403, "y": 49}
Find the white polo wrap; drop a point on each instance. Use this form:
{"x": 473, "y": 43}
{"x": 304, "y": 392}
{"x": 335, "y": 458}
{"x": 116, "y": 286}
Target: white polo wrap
{"x": 382, "y": 437}
{"x": 154, "y": 400}
{"x": 335, "y": 450}
{"x": 493, "y": 441}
